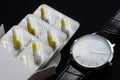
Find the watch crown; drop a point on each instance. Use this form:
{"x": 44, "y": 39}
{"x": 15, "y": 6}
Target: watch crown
{"x": 70, "y": 52}
{"x": 75, "y": 40}
{"x": 110, "y": 64}
{"x": 113, "y": 45}
{"x": 94, "y": 33}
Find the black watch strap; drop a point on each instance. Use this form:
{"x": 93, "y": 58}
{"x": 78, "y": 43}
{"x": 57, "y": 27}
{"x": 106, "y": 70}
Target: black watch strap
{"x": 111, "y": 29}
{"x": 70, "y": 73}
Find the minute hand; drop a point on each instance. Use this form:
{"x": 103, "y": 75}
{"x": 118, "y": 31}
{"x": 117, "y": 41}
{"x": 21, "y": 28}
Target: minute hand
{"x": 103, "y": 53}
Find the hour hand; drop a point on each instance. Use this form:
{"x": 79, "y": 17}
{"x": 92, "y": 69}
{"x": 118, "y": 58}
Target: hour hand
{"x": 102, "y": 53}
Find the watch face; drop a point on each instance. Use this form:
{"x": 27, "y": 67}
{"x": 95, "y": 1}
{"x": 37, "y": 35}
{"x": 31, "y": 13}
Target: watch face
{"x": 92, "y": 51}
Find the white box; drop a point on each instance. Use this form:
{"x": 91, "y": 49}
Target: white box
{"x": 13, "y": 69}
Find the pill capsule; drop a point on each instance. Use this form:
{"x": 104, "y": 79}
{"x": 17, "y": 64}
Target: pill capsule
{"x": 17, "y": 39}
{"x": 23, "y": 58}
{"x": 44, "y": 14}
{"x": 51, "y": 39}
{"x": 31, "y": 25}
{"x": 65, "y": 26}
{"x": 36, "y": 52}
{"x": 5, "y": 44}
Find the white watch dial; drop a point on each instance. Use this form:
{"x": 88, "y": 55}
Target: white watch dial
{"x": 92, "y": 51}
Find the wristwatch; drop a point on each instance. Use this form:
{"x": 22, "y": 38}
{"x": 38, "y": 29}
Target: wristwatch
{"x": 92, "y": 51}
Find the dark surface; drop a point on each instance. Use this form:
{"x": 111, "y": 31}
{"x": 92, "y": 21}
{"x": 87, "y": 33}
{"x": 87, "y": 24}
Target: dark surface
{"x": 91, "y": 14}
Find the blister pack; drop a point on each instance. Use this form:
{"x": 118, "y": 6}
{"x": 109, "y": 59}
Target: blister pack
{"x": 43, "y": 31}
{"x": 57, "y": 19}
{"x": 39, "y": 36}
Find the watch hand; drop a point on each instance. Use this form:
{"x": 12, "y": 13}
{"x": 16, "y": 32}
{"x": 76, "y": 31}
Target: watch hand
{"x": 103, "y": 53}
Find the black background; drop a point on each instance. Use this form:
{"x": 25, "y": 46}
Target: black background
{"x": 92, "y": 15}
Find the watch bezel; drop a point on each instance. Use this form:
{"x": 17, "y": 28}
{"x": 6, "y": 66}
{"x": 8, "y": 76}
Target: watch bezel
{"x": 109, "y": 60}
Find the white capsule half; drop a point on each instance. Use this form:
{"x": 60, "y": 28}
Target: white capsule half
{"x": 31, "y": 25}
{"x": 5, "y": 44}
{"x": 44, "y": 14}
{"x": 23, "y": 58}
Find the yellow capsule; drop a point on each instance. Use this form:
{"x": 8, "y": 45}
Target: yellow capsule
{"x": 35, "y": 46}
{"x": 43, "y": 10}
{"x": 64, "y": 22}
{"x": 51, "y": 40}
{"x": 16, "y": 39}
{"x": 31, "y": 25}
{"x": 36, "y": 52}
{"x": 31, "y": 29}
{"x": 65, "y": 27}
{"x": 44, "y": 14}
